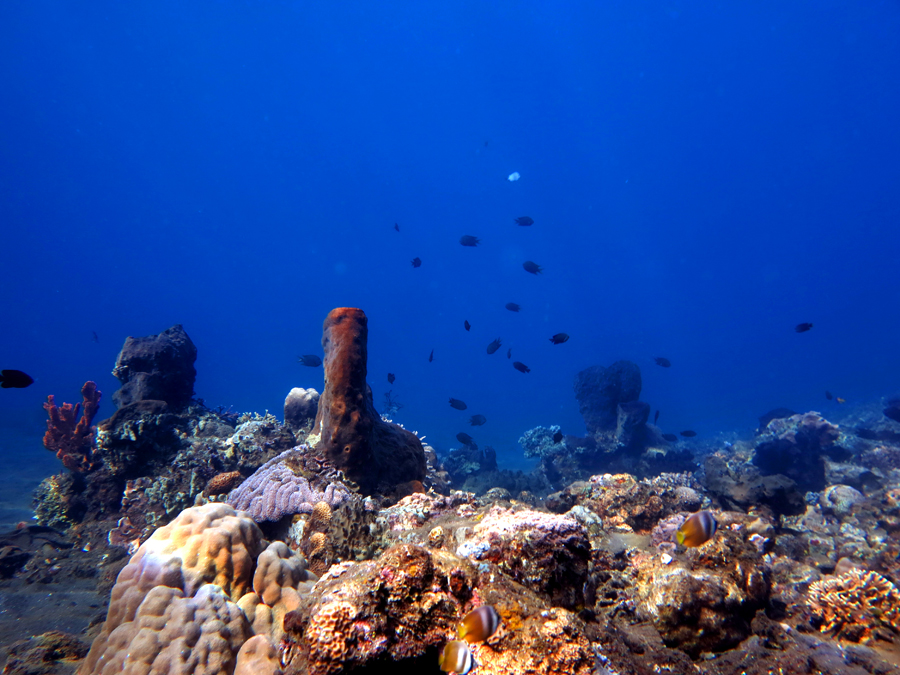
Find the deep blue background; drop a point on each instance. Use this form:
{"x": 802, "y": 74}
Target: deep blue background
{"x": 703, "y": 176}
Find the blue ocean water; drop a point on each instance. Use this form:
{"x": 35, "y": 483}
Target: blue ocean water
{"x": 702, "y": 177}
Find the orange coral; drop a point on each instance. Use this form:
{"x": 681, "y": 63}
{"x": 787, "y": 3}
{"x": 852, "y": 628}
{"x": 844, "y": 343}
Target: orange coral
{"x": 73, "y": 441}
{"x": 223, "y": 482}
{"x": 855, "y": 604}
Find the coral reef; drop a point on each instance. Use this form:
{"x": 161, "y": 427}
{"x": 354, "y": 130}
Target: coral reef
{"x": 398, "y": 610}
{"x": 402, "y": 561}
{"x": 278, "y": 489}
{"x": 855, "y": 605}
{"x": 300, "y": 408}
{"x": 156, "y": 367}
{"x": 72, "y": 440}
{"x": 547, "y": 553}
{"x": 375, "y": 454}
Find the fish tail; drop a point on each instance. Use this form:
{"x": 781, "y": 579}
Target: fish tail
{"x": 679, "y": 537}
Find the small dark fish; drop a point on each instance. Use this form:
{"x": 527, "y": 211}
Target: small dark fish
{"x": 431, "y": 356}
{"x": 532, "y": 267}
{"x": 397, "y": 227}
{"x": 477, "y": 420}
{"x": 513, "y": 307}
{"x": 688, "y": 433}
{"x": 509, "y": 353}
{"x": 94, "y": 338}
{"x": 416, "y": 262}
{"x": 559, "y": 338}
{"x": 697, "y": 529}
{"x": 464, "y": 438}
{"x": 524, "y": 221}
{"x": 494, "y": 346}
{"x": 802, "y": 327}
{"x": 656, "y": 417}
{"x": 521, "y": 367}
{"x": 558, "y": 436}
{"x": 14, "y": 379}
{"x": 829, "y": 395}
{"x": 391, "y": 378}
{"x": 310, "y": 360}
{"x": 479, "y": 624}
{"x": 469, "y": 240}
{"x": 459, "y": 405}
{"x": 663, "y": 361}
{"x": 467, "y": 325}
{"x": 670, "y": 437}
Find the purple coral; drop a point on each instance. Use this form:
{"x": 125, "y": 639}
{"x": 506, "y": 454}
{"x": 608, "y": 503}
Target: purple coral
{"x": 275, "y": 491}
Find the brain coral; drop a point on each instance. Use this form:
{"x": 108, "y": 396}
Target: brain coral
{"x": 855, "y": 604}
{"x": 178, "y": 606}
{"x": 275, "y": 491}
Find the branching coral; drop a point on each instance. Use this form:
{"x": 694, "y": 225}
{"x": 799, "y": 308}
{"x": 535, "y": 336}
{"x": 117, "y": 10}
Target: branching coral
{"x": 855, "y": 604}
{"x": 68, "y": 436}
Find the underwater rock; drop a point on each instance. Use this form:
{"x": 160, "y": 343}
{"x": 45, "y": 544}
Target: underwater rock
{"x": 708, "y": 605}
{"x": 373, "y": 453}
{"x": 743, "y": 485}
{"x": 794, "y": 447}
{"x": 631, "y": 424}
{"x": 600, "y": 390}
{"x": 44, "y": 654}
{"x": 546, "y": 552}
{"x": 396, "y": 612}
{"x": 300, "y": 408}
{"x": 841, "y": 499}
{"x": 158, "y": 367}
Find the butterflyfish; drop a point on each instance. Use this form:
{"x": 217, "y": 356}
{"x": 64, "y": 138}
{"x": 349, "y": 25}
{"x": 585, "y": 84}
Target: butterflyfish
{"x": 697, "y": 529}
{"x": 456, "y": 658}
{"x": 479, "y": 624}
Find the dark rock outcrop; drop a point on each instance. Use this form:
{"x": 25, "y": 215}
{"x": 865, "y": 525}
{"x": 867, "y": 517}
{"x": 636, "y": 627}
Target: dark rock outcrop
{"x": 600, "y": 390}
{"x": 157, "y": 367}
{"x": 795, "y": 447}
{"x": 631, "y": 423}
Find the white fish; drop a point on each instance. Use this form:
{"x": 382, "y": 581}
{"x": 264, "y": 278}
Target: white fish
{"x": 514, "y": 176}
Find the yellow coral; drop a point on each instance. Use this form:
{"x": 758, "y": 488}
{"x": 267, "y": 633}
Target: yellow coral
{"x": 318, "y": 553}
{"x": 320, "y": 518}
{"x": 328, "y": 635}
{"x": 855, "y": 604}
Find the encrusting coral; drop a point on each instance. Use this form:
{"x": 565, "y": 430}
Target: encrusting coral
{"x": 73, "y": 440}
{"x": 855, "y": 604}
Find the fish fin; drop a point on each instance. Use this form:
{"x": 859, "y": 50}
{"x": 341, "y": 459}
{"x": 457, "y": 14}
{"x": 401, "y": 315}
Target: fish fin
{"x": 679, "y": 537}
